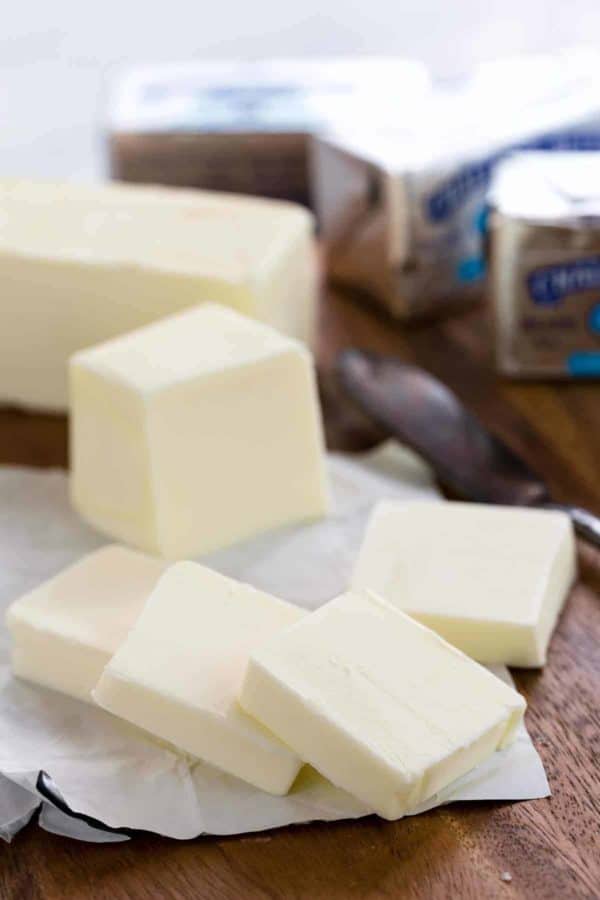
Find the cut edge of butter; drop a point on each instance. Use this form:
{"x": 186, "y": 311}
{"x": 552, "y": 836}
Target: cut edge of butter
{"x": 177, "y": 672}
{"x": 487, "y": 629}
{"x": 321, "y": 736}
{"x": 65, "y": 630}
{"x": 219, "y": 744}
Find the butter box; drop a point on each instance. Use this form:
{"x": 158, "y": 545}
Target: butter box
{"x": 545, "y": 265}
{"x": 402, "y": 207}
{"x": 244, "y": 126}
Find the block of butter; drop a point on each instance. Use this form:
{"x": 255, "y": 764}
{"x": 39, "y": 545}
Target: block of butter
{"x": 489, "y": 579}
{"x": 178, "y": 673}
{"x": 377, "y": 703}
{"x": 195, "y": 432}
{"x": 80, "y": 264}
{"x": 66, "y": 630}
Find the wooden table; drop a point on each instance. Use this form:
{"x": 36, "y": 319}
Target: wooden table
{"x": 551, "y": 848}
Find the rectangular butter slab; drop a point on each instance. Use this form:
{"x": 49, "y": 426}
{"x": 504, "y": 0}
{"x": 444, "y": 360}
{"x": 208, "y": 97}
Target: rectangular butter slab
{"x": 378, "y": 704}
{"x": 195, "y": 432}
{"x": 66, "y": 630}
{"x": 83, "y": 263}
{"x": 491, "y": 580}
{"x": 178, "y": 673}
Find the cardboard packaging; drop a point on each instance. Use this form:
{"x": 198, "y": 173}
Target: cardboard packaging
{"x": 403, "y": 212}
{"x": 545, "y": 264}
{"x": 245, "y": 126}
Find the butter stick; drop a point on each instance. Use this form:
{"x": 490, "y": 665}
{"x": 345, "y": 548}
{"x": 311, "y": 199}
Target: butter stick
{"x": 66, "y": 630}
{"x": 377, "y": 703}
{"x": 491, "y": 580}
{"x": 179, "y": 670}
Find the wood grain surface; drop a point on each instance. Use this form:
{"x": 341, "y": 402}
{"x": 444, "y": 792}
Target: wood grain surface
{"x": 550, "y": 848}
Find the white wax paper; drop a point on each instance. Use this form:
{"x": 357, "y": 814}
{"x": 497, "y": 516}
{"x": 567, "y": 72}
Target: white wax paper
{"x": 104, "y": 769}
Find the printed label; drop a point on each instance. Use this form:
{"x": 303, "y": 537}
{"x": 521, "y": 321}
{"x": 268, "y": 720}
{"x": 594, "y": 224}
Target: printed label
{"x": 555, "y": 308}
{"x": 549, "y": 285}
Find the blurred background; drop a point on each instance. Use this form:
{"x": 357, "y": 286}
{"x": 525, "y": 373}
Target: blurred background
{"x": 54, "y": 56}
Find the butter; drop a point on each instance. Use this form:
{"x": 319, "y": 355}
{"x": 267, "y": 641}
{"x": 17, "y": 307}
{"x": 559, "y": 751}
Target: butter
{"x": 66, "y": 630}
{"x": 491, "y": 580}
{"x": 378, "y": 704}
{"x": 196, "y": 432}
{"x": 179, "y": 670}
{"x": 80, "y": 264}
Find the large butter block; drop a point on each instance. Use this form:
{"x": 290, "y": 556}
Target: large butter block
{"x": 66, "y": 630}
{"x": 377, "y": 703}
{"x": 178, "y": 673}
{"x": 195, "y": 432}
{"x": 491, "y": 580}
{"x": 80, "y": 264}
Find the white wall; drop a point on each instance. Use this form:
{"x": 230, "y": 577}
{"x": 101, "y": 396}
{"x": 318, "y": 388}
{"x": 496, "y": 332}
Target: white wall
{"x": 53, "y": 53}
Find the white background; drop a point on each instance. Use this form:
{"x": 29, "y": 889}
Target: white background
{"x": 54, "y": 53}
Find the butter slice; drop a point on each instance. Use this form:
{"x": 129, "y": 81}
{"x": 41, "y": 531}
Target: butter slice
{"x": 196, "y": 432}
{"x": 66, "y": 630}
{"x": 491, "y": 580}
{"x": 377, "y": 703}
{"x": 80, "y": 264}
{"x": 178, "y": 673}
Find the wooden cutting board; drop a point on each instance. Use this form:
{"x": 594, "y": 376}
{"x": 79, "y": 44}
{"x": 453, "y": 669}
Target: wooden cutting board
{"x": 547, "y": 848}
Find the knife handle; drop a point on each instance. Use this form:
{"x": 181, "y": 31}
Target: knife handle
{"x": 586, "y": 524}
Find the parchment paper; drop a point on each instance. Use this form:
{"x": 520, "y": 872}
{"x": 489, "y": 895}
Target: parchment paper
{"x": 101, "y": 768}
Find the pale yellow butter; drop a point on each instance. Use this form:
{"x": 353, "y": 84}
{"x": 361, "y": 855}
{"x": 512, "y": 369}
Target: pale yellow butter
{"x": 491, "y": 580}
{"x": 66, "y": 630}
{"x": 196, "y": 432}
{"x": 377, "y": 703}
{"x": 83, "y": 263}
{"x": 178, "y": 673}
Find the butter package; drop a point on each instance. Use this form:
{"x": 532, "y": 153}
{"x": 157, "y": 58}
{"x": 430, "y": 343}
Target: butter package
{"x": 402, "y": 211}
{"x": 244, "y": 126}
{"x": 545, "y": 264}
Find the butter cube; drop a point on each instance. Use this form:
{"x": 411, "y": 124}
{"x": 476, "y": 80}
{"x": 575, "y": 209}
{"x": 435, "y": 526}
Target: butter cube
{"x": 491, "y": 580}
{"x": 196, "y": 432}
{"x": 66, "y": 630}
{"x": 377, "y": 703}
{"x": 178, "y": 673}
{"x": 81, "y": 263}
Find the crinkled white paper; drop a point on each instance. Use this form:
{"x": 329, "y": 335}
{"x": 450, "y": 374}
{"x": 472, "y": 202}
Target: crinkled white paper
{"x": 112, "y": 773}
